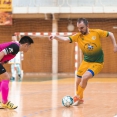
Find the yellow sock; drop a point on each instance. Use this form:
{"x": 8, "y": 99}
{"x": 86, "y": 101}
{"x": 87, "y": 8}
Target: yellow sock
{"x": 80, "y": 92}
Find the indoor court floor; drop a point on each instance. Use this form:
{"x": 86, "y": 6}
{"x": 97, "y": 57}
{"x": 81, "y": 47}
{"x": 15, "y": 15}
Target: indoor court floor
{"x": 43, "y": 98}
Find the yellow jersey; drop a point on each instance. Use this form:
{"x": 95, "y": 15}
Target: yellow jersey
{"x": 90, "y": 44}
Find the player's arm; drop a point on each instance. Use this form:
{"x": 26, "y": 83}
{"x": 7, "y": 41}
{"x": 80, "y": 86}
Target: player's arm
{"x": 2, "y": 54}
{"x": 11, "y": 49}
{"x": 112, "y": 37}
{"x": 59, "y": 38}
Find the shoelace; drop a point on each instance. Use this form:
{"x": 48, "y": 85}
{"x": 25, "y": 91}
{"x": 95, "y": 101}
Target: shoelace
{"x": 10, "y": 104}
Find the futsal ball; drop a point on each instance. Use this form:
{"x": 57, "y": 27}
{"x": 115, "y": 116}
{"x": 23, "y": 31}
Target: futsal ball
{"x": 67, "y": 101}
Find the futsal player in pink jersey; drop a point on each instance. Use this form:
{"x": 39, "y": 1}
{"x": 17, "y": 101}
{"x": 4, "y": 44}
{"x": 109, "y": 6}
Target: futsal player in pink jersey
{"x": 7, "y": 52}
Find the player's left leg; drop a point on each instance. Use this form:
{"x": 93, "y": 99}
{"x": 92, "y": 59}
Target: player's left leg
{"x": 4, "y": 77}
{"x": 18, "y": 71}
{"x": 0, "y": 92}
{"x": 0, "y": 86}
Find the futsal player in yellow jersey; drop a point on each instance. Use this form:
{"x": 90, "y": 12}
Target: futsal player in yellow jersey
{"x": 89, "y": 42}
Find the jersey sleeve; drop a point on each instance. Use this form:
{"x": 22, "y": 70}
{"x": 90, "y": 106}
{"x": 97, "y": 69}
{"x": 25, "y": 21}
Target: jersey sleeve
{"x": 12, "y": 49}
{"x": 102, "y": 33}
{"x": 74, "y": 38}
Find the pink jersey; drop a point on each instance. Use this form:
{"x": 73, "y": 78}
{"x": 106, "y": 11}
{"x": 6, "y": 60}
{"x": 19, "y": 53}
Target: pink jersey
{"x": 9, "y": 56}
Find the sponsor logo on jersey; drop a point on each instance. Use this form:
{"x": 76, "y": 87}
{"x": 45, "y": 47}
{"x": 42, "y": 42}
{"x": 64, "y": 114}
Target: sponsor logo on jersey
{"x": 10, "y": 50}
{"x": 93, "y": 37}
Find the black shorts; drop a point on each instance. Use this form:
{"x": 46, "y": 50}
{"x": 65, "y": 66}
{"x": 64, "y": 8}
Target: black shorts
{"x": 2, "y": 69}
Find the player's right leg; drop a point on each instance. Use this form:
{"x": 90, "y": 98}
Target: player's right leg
{"x": 78, "y": 80}
{"x": 4, "y": 76}
{"x": 78, "y": 99}
{"x": 81, "y": 70}
{"x": 75, "y": 98}
{"x": 88, "y": 70}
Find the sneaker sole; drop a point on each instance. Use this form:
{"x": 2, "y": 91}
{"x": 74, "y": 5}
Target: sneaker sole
{"x": 77, "y": 103}
{"x": 2, "y": 108}
{"x": 8, "y": 108}
{"x": 11, "y": 108}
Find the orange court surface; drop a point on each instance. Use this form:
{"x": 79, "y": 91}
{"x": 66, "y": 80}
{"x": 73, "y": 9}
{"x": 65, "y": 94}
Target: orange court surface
{"x": 42, "y": 98}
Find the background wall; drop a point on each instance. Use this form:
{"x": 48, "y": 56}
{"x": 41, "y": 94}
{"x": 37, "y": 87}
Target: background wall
{"x": 38, "y": 59}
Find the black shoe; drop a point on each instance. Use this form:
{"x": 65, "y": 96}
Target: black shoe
{"x": 19, "y": 77}
{"x": 12, "y": 79}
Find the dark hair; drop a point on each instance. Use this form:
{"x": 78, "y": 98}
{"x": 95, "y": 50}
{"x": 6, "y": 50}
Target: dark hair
{"x": 85, "y": 21}
{"x": 26, "y": 39}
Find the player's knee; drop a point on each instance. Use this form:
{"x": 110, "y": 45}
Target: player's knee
{"x": 5, "y": 76}
{"x": 85, "y": 78}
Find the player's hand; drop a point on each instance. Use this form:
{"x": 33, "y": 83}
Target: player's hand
{"x": 51, "y": 37}
{"x": 115, "y": 48}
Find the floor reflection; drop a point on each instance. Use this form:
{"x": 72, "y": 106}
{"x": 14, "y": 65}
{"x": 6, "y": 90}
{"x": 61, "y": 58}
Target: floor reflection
{"x": 67, "y": 112}
{"x": 8, "y": 113}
